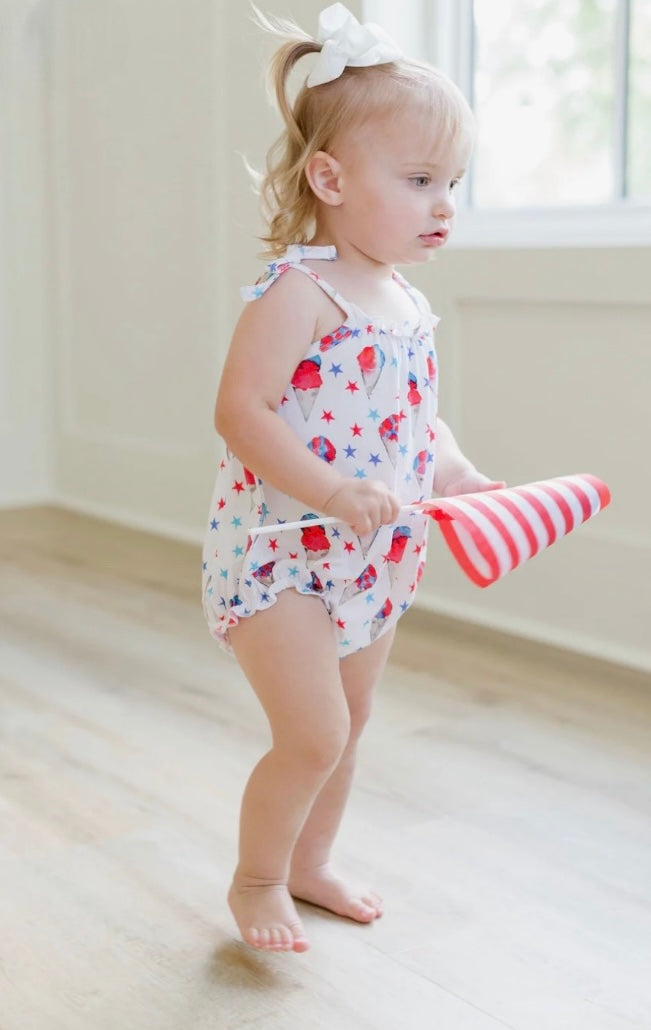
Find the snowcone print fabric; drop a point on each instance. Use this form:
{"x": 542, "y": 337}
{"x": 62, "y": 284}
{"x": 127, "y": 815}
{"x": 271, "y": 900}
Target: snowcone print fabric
{"x": 363, "y": 399}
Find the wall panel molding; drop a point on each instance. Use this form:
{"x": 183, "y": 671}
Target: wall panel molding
{"x": 549, "y": 359}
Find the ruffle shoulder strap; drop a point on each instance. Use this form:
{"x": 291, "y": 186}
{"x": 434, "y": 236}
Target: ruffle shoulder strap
{"x": 290, "y": 259}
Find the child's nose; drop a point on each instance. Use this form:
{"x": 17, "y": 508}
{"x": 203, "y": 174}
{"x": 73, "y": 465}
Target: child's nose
{"x": 444, "y": 205}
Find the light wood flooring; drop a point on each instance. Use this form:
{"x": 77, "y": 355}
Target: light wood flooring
{"x": 502, "y": 807}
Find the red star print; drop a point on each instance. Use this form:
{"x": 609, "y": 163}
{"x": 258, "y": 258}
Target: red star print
{"x": 327, "y": 416}
{"x": 284, "y": 400}
{"x": 238, "y": 487}
{"x": 352, "y": 386}
{"x": 326, "y": 565}
{"x": 418, "y": 549}
{"x": 293, "y": 555}
{"x": 273, "y": 544}
{"x": 356, "y": 430}
{"x": 349, "y": 546}
{"x": 341, "y": 624}
{"x": 369, "y": 328}
{"x": 221, "y": 504}
{"x": 222, "y": 464}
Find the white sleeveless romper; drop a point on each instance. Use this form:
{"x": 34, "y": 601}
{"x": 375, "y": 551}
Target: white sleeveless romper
{"x": 363, "y": 399}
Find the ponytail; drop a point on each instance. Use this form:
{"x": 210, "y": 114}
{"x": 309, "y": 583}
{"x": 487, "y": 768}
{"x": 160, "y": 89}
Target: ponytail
{"x": 279, "y": 70}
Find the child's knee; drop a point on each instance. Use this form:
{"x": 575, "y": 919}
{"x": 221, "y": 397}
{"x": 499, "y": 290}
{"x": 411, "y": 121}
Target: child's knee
{"x": 320, "y": 747}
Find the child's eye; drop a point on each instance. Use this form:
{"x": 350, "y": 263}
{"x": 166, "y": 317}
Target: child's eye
{"x": 420, "y": 180}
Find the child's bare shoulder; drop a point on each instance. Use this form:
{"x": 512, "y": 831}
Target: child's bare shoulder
{"x": 293, "y": 299}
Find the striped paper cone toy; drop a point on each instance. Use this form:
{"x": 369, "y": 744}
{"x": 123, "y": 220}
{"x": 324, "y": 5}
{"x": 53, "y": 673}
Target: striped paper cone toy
{"x": 493, "y": 532}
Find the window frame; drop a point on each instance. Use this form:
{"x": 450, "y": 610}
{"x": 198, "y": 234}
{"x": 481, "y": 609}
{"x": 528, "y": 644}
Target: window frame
{"x": 446, "y": 26}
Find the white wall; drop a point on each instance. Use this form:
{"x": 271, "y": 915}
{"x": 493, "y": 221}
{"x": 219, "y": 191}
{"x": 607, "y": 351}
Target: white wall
{"x": 151, "y": 224}
{"x": 155, "y": 229}
{"x": 137, "y": 170}
{"x": 26, "y": 401}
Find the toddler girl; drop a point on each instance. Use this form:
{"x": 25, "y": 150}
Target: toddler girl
{"x": 327, "y": 405}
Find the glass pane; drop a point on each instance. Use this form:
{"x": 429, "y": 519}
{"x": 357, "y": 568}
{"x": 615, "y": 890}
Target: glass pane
{"x": 544, "y": 90}
{"x": 639, "y": 148}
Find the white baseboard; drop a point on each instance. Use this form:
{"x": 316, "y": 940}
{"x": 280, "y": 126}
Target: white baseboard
{"x": 26, "y": 500}
{"x": 542, "y": 633}
{"x": 126, "y": 518}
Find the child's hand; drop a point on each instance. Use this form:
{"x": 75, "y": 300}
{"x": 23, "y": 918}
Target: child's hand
{"x": 469, "y": 482}
{"x": 365, "y": 504}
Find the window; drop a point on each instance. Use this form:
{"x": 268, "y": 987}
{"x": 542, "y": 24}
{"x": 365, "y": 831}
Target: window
{"x": 562, "y": 94}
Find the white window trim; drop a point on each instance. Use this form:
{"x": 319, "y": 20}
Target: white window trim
{"x": 437, "y": 30}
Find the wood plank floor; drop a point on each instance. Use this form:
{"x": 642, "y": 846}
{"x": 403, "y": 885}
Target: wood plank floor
{"x": 502, "y": 807}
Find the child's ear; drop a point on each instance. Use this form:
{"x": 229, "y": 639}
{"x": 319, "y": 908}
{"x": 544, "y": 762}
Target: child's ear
{"x": 323, "y": 172}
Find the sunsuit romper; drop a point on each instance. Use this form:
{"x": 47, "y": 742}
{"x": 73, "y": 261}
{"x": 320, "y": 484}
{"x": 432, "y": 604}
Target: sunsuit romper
{"x": 363, "y": 399}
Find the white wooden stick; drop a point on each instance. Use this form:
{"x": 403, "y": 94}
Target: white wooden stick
{"x": 327, "y": 520}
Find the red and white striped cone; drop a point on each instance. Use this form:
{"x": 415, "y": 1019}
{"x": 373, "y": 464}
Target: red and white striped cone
{"x": 493, "y": 532}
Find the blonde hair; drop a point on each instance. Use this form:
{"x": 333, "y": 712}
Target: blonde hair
{"x": 321, "y": 114}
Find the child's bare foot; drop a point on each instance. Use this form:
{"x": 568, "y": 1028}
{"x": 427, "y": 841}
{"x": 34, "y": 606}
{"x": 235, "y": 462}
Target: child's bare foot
{"x": 266, "y": 916}
{"x": 320, "y": 886}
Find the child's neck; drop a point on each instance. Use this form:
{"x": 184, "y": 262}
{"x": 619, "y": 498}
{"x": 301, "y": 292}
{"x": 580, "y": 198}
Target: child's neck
{"x": 358, "y": 264}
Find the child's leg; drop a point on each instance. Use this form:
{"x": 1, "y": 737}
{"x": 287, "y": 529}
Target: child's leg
{"x": 289, "y": 654}
{"x": 312, "y": 877}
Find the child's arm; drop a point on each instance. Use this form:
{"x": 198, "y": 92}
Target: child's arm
{"x": 455, "y": 474}
{"x": 270, "y": 339}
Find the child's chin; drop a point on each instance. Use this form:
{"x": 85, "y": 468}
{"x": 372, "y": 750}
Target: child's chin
{"x": 427, "y": 254}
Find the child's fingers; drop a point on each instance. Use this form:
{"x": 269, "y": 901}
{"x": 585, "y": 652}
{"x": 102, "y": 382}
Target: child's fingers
{"x": 365, "y": 506}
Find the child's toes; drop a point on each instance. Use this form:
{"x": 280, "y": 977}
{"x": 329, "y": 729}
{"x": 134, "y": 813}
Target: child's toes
{"x": 375, "y": 902}
{"x": 362, "y": 911}
{"x": 279, "y": 939}
{"x": 286, "y": 939}
{"x": 252, "y": 937}
{"x": 367, "y": 906}
{"x": 300, "y": 942}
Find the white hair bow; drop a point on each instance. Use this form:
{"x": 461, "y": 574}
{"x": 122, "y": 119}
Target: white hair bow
{"x": 346, "y": 42}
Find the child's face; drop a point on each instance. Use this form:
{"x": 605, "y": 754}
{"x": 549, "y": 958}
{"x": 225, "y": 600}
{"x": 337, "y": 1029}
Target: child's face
{"x": 398, "y": 204}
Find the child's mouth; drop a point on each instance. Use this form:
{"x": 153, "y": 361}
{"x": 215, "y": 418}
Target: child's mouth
{"x": 434, "y": 239}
